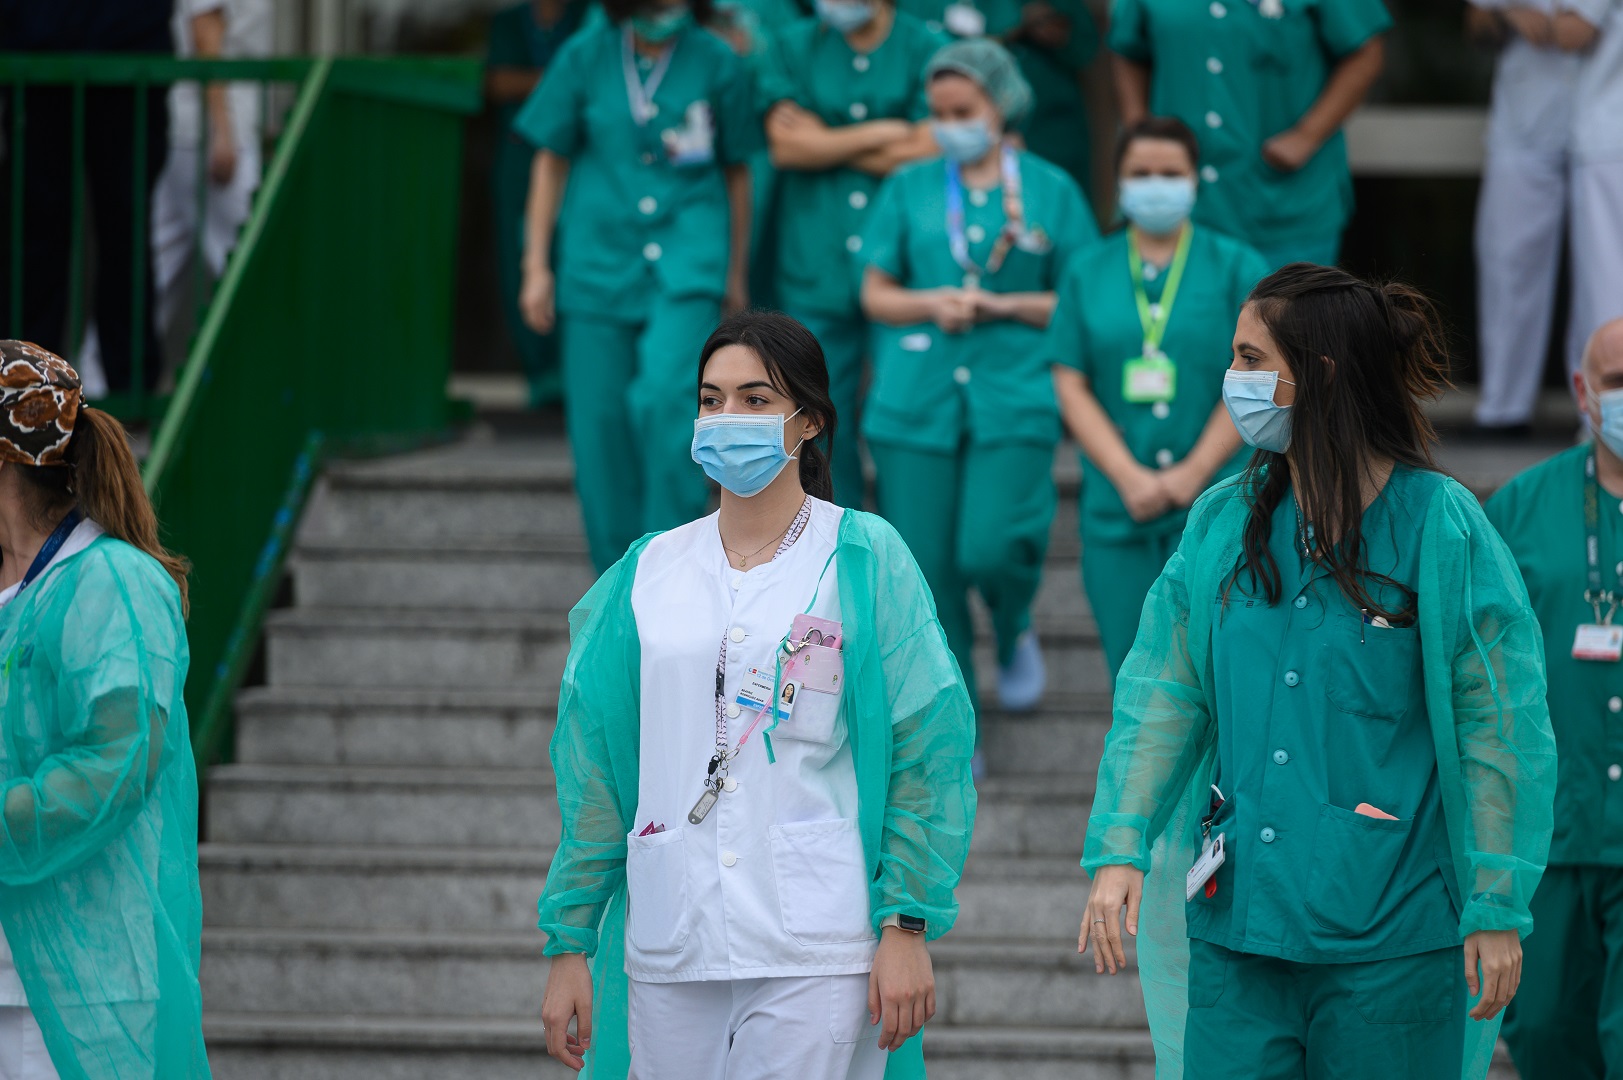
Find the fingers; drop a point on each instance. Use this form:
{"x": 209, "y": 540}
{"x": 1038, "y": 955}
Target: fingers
{"x": 1470, "y": 967}
{"x": 1113, "y": 935}
{"x": 1135, "y": 896}
{"x": 890, "y": 1021}
{"x": 873, "y": 998}
{"x": 929, "y": 1004}
{"x": 583, "y": 1023}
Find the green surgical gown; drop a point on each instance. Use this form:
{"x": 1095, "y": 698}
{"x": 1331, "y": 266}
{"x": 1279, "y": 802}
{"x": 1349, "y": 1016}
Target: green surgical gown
{"x": 912, "y": 731}
{"x": 98, "y": 832}
{"x": 1240, "y": 77}
{"x": 989, "y": 385}
{"x": 1481, "y": 687}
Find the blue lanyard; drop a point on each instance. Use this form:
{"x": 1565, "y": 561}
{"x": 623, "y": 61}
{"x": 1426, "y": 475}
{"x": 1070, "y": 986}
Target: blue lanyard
{"x": 52, "y": 545}
{"x": 1013, "y": 225}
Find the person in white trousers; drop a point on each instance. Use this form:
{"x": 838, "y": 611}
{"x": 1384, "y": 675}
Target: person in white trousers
{"x": 1522, "y": 208}
{"x": 1595, "y": 29}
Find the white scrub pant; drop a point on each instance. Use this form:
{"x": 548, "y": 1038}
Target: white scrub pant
{"x": 1597, "y": 252}
{"x": 811, "y": 1028}
{"x": 1521, "y": 218}
{"x": 22, "y": 1046}
{"x": 175, "y": 217}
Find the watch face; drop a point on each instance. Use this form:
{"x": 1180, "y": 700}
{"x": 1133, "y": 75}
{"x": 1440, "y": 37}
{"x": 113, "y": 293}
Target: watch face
{"x": 911, "y": 923}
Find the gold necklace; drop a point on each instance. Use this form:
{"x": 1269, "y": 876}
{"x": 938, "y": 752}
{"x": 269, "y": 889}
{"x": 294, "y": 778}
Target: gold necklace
{"x": 744, "y": 560}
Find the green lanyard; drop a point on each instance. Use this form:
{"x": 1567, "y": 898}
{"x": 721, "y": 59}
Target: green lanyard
{"x": 1155, "y": 324}
{"x": 1596, "y": 594}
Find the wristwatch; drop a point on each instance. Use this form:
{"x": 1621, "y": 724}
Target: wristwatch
{"x": 910, "y": 924}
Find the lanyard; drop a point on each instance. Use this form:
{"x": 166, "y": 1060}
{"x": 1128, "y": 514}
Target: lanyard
{"x": 1154, "y": 320}
{"x": 1596, "y": 594}
{"x": 639, "y": 93}
{"x": 1014, "y": 218}
{"x": 52, "y": 545}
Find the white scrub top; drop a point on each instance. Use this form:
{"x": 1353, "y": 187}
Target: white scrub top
{"x": 248, "y": 33}
{"x": 1533, "y": 90}
{"x": 1597, "y": 128}
{"x": 11, "y": 987}
{"x": 773, "y": 882}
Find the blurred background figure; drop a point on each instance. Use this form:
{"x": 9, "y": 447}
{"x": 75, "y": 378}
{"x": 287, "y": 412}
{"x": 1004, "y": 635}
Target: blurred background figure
{"x": 1268, "y": 85}
{"x": 523, "y": 40}
{"x": 1595, "y": 29}
{"x": 1054, "y": 41}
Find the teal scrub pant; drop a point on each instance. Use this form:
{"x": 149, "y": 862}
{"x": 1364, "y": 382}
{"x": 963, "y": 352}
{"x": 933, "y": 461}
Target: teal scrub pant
{"x": 1259, "y": 1018}
{"x": 977, "y": 518}
{"x": 1324, "y": 250}
{"x": 845, "y": 343}
{"x": 1566, "y": 1021}
{"x": 631, "y": 392}
{"x": 1117, "y": 575}
{"x": 537, "y": 352}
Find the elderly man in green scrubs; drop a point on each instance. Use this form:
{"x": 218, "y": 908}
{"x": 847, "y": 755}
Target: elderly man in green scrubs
{"x": 1267, "y": 84}
{"x": 843, "y": 94}
{"x": 1563, "y": 520}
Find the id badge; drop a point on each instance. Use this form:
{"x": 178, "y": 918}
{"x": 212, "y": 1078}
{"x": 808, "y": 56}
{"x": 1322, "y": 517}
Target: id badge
{"x": 1596, "y": 641}
{"x": 1205, "y": 866}
{"x": 756, "y": 691}
{"x": 694, "y": 143}
{"x": 1147, "y": 380}
{"x": 964, "y": 20}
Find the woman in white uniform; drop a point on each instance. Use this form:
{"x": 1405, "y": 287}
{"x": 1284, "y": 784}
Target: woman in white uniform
{"x": 771, "y": 873}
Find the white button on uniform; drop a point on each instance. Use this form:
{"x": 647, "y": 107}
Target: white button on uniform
{"x": 859, "y": 111}
{"x": 1213, "y": 120}
{"x": 1615, "y": 772}
{"x": 737, "y": 635}
{"x": 1616, "y": 704}
{"x": 648, "y": 159}
{"x": 977, "y": 197}
{"x": 975, "y": 233}
{"x": 648, "y": 204}
{"x": 961, "y": 376}
{"x": 1163, "y": 458}
{"x": 1217, "y": 10}
{"x": 858, "y": 200}
{"x": 1208, "y": 173}
{"x": 853, "y": 244}
{"x": 1301, "y": 602}
{"x": 1160, "y": 410}
{"x": 728, "y": 858}
{"x": 729, "y": 784}
{"x": 652, "y": 252}
{"x": 860, "y": 63}
{"x": 738, "y": 583}
{"x": 733, "y": 710}
{"x": 1214, "y": 65}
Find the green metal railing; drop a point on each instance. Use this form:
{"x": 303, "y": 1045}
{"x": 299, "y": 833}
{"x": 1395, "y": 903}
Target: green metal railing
{"x": 329, "y": 332}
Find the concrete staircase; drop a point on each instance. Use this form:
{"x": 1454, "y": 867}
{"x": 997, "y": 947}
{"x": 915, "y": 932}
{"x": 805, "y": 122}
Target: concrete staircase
{"x": 375, "y": 854}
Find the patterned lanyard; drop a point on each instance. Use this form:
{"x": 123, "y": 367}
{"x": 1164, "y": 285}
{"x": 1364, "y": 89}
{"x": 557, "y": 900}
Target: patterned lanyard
{"x": 1014, "y": 218}
{"x": 639, "y": 93}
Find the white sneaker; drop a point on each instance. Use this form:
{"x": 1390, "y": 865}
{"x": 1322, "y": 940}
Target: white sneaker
{"x": 1020, "y": 684}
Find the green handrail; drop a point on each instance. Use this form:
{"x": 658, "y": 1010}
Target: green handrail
{"x": 329, "y": 332}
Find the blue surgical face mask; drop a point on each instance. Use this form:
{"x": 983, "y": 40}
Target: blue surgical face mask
{"x": 661, "y": 24}
{"x": 1157, "y": 204}
{"x": 845, "y": 16}
{"x": 1249, "y": 396}
{"x": 963, "y": 141}
{"x": 743, "y": 452}
{"x": 1610, "y": 406}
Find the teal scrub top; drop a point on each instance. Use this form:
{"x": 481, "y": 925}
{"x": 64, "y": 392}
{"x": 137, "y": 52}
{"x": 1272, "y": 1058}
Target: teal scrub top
{"x": 821, "y": 213}
{"x": 646, "y": 207}
{"x": 1238, "y": 78}
{"x": 933, "y": 390}
{"x": 1096, "y": 330}
{"x": 1540, "y": 515}
{"x": 1058, "y": 129}
{"x": 1318, "y": 711}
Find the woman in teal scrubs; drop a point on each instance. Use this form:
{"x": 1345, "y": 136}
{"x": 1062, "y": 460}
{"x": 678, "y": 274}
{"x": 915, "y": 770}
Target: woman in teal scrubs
{"x": 844, "y": 98}
{"x": 1267, "y": 84}
{"x": 1139, "y": 344}
{"x": 963, "y": 254}
{"x": 1054, "y": 42}
{"x": 523, "y": 40}
{"x": 1334, "y": 723}
{"x": 643, "y": 125}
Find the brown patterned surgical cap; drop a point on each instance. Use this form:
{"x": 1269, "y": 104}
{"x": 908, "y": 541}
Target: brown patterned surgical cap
{"x": 39, "y": 403}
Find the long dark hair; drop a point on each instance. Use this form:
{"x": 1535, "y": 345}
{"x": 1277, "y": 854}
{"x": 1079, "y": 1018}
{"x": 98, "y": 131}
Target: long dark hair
{"x": 102, "y": 477}
{"x": 1364, "y": 356}
{"x": 794, "y": 364}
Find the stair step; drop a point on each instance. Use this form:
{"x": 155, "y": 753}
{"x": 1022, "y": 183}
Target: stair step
{"x": 333, "y": 804}
{"x": 453, "y": 728}
{"x": 519, "y": 576}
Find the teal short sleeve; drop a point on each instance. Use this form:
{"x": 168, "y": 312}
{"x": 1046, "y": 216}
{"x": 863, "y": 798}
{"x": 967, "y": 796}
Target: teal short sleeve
{"x": 1345, "y": 25}
{"x": 884, "y": 237}
{"x": 1130, "y": 30}
{"x": 773, "y": 79}
{"x": 738, "y": 125}
{"x": 1065, "y": 342}
{"x": 553, "y": 116}
{"x": 1073, "y": 226}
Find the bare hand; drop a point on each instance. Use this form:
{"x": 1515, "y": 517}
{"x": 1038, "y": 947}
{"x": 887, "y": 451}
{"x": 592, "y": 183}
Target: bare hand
{"x": 1500, "y": 953}
{"x": 1571, "y": 32}
{"x": 1534, "y": 26}
{"x": 1183, "y": 483}
{"x": 568, "y": 997}
{"x": 1290, "y": 150}
{"x": 1114, "y": 887}
{"x": 1483, "y": 27}
{"x": 1144, "y": 495}
{"x": 222, "y": 160}
{"x": 901, "y": 989}
{"x": 953, "y": 310}
{"x": 989, "y": 306}
{"x": 537, "y": 299}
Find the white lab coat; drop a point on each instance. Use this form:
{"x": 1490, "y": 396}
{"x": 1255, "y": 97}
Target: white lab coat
{"x": 1597, "y": 181}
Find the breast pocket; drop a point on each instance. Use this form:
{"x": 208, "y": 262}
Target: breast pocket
{"x": 815, "y": 719}
{"x": 1373, "y": 670}
{"x": 822, "y": 882}
{"x": 657, "y": 891}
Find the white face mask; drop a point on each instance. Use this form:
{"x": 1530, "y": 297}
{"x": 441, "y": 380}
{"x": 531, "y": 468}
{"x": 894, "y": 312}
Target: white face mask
{"x": 743, "y": 452}
{"x": 1610, "y": 406}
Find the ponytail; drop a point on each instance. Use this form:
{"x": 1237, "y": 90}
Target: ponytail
{"x": 1417, "y": 331}
{"x": 104, "y": 479}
